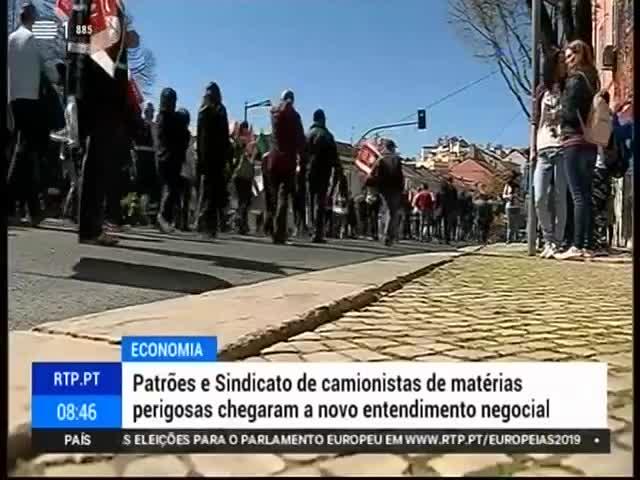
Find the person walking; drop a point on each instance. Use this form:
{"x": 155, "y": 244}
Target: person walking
{"x": 25, "y": 70}
{"x": 373, "y": 203}
{"x": 214, "y": 158}
{"x": 187, "y": 172}
{"x": 243, "y": 177}
{"x": 388, "y": 177}
{"x": 449, "y": 205}
{"x": 171, "y": 156}
{"x": 423, "y": 202}
{"x": 549, "y": 178}
{"x": 104, "y": 128}
{"x": 511, "y": 196}
{"x": 483, "y": 217}
{"x": 579, "y": 155}
{"x": 324, "y": 164}
{"x": 284, "y": 160}
{"x": 145, "y": 162}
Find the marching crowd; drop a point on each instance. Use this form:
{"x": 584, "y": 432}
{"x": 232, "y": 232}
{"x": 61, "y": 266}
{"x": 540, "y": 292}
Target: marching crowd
{"x": 129, "y": 160}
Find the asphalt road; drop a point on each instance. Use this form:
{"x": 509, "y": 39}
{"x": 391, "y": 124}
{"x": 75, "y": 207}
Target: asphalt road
{"x": 52, "y": 277}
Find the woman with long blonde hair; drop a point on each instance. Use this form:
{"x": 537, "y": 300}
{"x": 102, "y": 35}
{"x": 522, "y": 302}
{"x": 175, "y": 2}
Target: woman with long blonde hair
{"x": 581, "y": 86}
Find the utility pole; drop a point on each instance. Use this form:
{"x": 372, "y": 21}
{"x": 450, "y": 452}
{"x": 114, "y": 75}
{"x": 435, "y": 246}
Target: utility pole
{"x": 532, "y": 221}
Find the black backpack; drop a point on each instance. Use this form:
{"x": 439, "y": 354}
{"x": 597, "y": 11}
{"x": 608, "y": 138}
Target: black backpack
{"x": 616, "y": 157}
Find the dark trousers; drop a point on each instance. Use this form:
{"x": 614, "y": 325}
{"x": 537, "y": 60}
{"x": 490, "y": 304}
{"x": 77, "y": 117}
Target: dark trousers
{"x": 450, "y": 224}
{"x": 96, "y": 166}
{"x": 244, "y": 191}
{"x": 282, "y": 186}
{"x": 146, "y": 176}
{"x": 569, "y": 228}
{"x": 601, "y": 195}
{"x": 374, "y": 215}
{"x": 300, "y": 201}
{"x": 171, "y": 191}
{"x": 392, "y": 201}
{"x": 118, "y": 181}
{"x": 318, "y": 207}
{"x": 23, "y": 176}
{"x": 579, "y": 162}
{"x": 269, "y": 200}
{"x": 213, "y": 199}
{"x": 362, "y": 216}
{"x": 184, "y": 205}
{"x": 483, "y": 228}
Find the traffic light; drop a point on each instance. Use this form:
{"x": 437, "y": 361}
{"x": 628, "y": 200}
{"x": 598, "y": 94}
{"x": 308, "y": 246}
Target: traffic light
{"x": 422, "y": 119}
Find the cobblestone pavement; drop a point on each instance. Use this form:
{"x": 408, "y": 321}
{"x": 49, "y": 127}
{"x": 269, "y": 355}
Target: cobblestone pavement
{"x": 478, "y": 308}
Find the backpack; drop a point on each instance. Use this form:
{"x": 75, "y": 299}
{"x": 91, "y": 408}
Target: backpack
{"x": 598, "y": 127}
{"x": 616, "y": 157}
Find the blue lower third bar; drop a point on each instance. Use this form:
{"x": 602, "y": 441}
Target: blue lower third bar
{"x": 74, "y": 411}
{"x": 169, "y": 349}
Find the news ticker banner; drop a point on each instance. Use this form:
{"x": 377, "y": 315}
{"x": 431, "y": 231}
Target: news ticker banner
{"x": 169, "y": 394}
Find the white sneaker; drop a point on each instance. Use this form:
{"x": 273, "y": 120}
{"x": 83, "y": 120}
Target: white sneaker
{"x": 552, "y": 251}
{"x": 588, "y": 254}
{"x": 545, "y": 251}
{"x": 570, "y": 254}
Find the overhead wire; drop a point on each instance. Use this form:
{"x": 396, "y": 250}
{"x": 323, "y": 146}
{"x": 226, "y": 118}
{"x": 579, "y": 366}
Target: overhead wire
{"x": 456, "y": 92}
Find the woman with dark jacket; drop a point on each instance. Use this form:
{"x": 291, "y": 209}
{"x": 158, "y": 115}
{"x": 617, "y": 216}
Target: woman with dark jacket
{"x": 579, "y": 156}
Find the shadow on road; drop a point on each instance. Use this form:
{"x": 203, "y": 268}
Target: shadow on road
{"x": 145, "y": 276}
{"x": 351, "y": 246}
{"x": 224, "y": 262}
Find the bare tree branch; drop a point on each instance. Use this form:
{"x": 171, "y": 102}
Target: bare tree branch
{"x": 499, "y": 32}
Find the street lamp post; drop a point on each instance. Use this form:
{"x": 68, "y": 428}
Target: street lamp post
{"x": 248, "y": 106}
{"x": 532, "y": 220}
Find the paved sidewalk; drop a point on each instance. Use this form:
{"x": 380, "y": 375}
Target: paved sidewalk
{"x": 499, "y": 306}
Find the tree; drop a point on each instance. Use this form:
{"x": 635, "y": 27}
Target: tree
{"x": 499, "y": 32}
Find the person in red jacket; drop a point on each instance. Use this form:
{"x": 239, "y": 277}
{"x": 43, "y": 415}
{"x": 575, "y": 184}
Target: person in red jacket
{"x": 423, "y": 202}
{"x": 285, "y": 159}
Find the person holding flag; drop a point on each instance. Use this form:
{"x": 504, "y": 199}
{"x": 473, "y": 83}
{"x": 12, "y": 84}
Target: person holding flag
{"x": 99, "y": 108}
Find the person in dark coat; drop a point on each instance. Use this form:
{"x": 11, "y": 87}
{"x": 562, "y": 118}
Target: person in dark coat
{"x": 214, "y": 159}
{"x": 171, "y": 155}
{"x": 322, "y": 153}
{"x": 388, "y": 177}
{"x": 579, "y": 155}
{"x": 284, "y": 160}
{"x": 449, "y": 209}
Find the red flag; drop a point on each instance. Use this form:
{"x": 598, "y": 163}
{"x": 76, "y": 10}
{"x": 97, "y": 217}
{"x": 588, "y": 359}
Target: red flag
{"x": 367, "y": 156}
{"x": 63, "y": 9}
{"x": 106, "y": 28}
{"x": 102, "y": 14}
